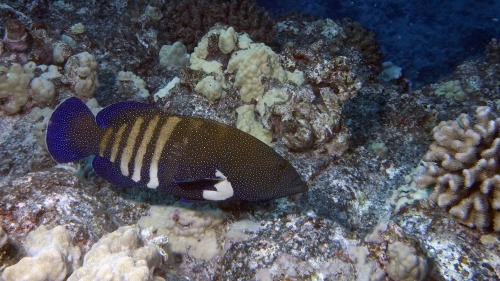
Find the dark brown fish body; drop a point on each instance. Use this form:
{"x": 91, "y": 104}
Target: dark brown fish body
{"x": 139, "y": 145}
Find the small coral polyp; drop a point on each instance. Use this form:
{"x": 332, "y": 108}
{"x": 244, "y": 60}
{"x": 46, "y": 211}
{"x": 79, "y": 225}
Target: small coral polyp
{"x": 462, "y": 167}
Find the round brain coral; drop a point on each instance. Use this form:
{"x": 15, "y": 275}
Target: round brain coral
{"x": 463, "y": 167}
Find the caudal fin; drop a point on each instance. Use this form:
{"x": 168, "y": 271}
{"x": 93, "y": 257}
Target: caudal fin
{"x": 72, "y": 132}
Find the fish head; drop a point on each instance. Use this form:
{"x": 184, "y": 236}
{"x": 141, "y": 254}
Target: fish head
{"x": 274, "y": 177}
{"x": 288, "y": 180}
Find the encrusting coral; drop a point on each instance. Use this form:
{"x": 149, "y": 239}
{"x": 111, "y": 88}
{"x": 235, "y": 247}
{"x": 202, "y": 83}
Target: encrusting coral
{"x": 462, "y": 166}
{"x": 52, "y": 255}
{"x": 120, "y": 255}
{"x": 191, "y": 227}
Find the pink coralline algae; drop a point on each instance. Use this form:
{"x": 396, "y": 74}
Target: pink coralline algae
{"x": 14, "y": 42}
{"x": 15, "y": 36}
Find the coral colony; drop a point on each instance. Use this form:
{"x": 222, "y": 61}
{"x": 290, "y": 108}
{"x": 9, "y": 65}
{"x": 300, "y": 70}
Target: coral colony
{"x": 219, "y": 140}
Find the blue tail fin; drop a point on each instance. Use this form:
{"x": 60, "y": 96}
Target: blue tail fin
{"x": 72, "y": 132}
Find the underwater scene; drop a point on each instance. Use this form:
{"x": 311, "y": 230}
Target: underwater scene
{"x": 249, "y": 140}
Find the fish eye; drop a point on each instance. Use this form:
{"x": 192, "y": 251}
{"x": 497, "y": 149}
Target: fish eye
{"x": 282, "y": 165}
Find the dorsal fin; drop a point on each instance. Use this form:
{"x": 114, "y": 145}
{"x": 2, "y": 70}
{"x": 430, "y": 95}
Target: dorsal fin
{"x": 110, "y": 114}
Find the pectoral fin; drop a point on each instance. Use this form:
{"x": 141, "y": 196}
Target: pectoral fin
{"x": 198, "y": 184}
{"x": 214, "y": 189}
{"x": 224, "y": 190}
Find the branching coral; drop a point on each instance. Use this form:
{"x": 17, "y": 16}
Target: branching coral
{"x": 463, "y": 167}
{"x": 397, "y": 255}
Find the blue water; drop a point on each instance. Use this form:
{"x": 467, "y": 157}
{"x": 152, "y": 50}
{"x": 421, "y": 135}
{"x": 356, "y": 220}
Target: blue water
{"x": 428, "y": 39}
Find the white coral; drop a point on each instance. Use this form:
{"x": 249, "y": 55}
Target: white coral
{"x": 174, "y": 55}
{"x": 51, "y": 256}
{"x": 404, "y": 265}
{"x": 43, "y": 90}
{"x": 191, "y": 227}
{"x": 120, "y": 255}
{"x": 80, "y": 72}
{"x": 13, "y": 86}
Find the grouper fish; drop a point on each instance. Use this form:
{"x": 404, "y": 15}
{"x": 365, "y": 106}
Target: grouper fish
{"x": 139, "y": 145}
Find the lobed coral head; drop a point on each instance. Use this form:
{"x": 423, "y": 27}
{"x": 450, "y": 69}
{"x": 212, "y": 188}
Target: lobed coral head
{"x": 463, "y": 168}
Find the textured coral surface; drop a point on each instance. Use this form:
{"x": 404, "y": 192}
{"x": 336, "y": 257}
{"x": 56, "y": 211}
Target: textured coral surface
{"x": 356, "y": 139}
{"x": 188, "y": 20}
{"x": 462, "y": 167}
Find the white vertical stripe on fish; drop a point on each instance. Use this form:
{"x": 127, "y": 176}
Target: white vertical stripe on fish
{"x": 129, "y": 148}
{"x": 165, "y": 133}
{"x": 139, "y": 157}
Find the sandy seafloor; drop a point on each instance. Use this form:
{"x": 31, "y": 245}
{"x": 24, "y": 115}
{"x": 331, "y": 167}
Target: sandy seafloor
{"x": 354, "y": 128}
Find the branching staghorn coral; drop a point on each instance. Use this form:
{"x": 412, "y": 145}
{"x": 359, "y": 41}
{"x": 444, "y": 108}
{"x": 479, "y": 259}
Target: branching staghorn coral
{"x": 463, "y": 167}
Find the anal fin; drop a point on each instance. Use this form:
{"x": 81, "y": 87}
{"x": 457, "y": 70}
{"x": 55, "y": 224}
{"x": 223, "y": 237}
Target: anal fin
{"x": 111, "y": 172}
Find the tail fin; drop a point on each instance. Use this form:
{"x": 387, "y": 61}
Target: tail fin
{"x": 72, "y": 132}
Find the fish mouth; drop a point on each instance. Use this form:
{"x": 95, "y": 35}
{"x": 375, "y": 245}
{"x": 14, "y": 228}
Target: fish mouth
{"x": 299, "y": 185}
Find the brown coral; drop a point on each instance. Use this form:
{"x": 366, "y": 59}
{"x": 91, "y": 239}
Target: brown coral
{"x": 492, "y": 51}
{"x": 338, "y": 75}
{"x": 15, "y": 36}
{"x": 364, "y": 41}
{"x": 462, "y": 166}
{"x": 188, "y": 20}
